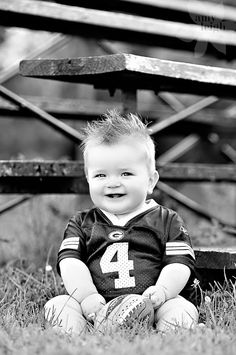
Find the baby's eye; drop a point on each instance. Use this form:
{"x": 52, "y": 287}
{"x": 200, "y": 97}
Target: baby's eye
{"x": 99, "y": 175}
{"x": 126, "y": 173}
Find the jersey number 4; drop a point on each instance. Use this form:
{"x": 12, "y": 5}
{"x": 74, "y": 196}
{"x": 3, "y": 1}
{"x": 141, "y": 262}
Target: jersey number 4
{"x": 116, "y": 259}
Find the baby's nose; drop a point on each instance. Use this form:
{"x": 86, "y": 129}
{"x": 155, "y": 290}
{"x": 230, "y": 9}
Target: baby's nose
{"x": 113, "y": 182}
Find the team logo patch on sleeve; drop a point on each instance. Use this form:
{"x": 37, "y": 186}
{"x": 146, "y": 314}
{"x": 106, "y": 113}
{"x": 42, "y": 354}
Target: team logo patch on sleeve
{"x": 184, "y": 230}
{"x": 179, "y": 248}
{"x": 70, "y": 243}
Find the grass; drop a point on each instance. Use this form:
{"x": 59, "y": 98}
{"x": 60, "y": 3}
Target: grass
{"x": 25, "y": 286}
{"x": 24, "y": 291}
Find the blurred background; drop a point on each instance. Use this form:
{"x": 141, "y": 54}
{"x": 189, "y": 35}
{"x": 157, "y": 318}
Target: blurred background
{"x": 34, "y": 229}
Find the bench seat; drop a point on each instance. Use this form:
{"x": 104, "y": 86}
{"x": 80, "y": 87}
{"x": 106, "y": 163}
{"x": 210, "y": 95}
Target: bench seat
{"x": 133, "y": 72}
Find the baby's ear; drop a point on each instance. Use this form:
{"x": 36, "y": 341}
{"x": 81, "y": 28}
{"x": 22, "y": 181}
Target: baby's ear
{"x": 153, "y": 179}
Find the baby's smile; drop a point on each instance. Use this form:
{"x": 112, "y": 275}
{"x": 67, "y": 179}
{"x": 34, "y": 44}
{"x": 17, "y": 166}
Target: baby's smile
{"x": 115, "y": 195}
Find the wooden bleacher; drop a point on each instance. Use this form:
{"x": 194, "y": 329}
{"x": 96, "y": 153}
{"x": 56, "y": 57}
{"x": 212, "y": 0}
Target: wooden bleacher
{"x": 128, "y": 27}
{"x": 128, "y": 73}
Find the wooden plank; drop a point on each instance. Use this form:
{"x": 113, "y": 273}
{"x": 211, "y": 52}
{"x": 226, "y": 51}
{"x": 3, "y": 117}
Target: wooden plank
{"x": 43, "y": 185}
{"x": 191, "y": 204}
{"x": 216, "y": 257}
{"x": 171, "y": 171}
{"x": 58, "y": 125}
{"x": 72, "y": 109}
{"x": 195, "y": 11}
{"x": 41, "y": 15}
{"x": 224, "y": 148}
{"x": 187, "y": 11}
{"x": 9, "y": 205}
{"x": 79, "y": 108}
{"x": 183, "y": 114}
{"x": 213, "y": 264}
{"x": 229, "y": 151}
{"x": 50, "y": 46}
{"x": 179, "y": 149}
{"x": 87, "y": 109}
{"x": 42, "y": 177}
{"x": 17, "y": 168}
{"x": 127, "y": 71}
{"x": 53, "y": 177}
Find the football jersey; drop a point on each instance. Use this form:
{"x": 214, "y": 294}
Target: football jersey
{"x": 127, "y": 259}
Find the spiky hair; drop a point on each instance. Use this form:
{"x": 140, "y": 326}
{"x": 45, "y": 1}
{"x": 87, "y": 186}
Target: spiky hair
{"x": 113, "y": 127}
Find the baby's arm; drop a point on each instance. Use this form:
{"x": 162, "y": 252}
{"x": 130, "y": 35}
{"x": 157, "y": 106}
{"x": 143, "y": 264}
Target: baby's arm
{"x": 170, "y": 283}
{"x": 79, "y": 284}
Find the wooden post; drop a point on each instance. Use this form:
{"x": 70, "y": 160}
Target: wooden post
{"x": 129, "y": 100}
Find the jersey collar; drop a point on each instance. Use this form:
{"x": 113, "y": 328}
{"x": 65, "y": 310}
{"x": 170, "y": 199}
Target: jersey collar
{"x": 123, "y": 219}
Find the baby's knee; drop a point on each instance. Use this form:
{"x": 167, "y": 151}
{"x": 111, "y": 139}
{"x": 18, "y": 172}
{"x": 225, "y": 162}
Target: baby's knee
{"x": 59, "y": 304}
{"x": 64, "y": 313}
{"x": 176, "y": 313}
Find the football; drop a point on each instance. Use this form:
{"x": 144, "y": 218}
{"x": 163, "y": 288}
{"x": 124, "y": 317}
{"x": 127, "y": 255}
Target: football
{"x": 125, "y": 311}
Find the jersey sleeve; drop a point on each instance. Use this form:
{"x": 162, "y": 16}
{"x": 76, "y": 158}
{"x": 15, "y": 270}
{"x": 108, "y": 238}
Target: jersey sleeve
{"x": 73, "y": 244}
{"x": 178, "y": 248}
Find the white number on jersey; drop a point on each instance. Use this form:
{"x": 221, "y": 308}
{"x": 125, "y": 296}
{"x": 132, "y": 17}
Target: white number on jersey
{"x": 122, "y": 264}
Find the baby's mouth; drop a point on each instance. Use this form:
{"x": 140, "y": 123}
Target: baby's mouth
{"x": 115, "y": 195}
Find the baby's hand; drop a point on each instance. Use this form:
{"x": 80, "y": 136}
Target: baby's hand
{"x": 156, "y": 294}
{"x": 91, "y": 305}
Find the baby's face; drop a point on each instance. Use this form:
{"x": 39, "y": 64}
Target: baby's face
{"x": 118, "y": 177}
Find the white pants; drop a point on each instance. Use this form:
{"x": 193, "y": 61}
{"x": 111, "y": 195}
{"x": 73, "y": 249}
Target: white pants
{"x": 65, "y": 314}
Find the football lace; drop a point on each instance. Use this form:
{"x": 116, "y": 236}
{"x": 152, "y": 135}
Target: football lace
{"x": 126, "y": 314}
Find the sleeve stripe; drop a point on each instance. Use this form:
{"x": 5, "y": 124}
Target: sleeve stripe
{"x": 70, "y": 243}
{"x": 179, "y": 248}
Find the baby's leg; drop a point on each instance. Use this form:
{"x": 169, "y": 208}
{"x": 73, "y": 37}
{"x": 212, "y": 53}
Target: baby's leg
{"x": 65, "y": 314}
{"x": 174, "y": 313}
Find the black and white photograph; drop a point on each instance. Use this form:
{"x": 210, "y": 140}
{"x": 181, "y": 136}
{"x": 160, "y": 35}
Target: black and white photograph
{"x": 117, "y": 177}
